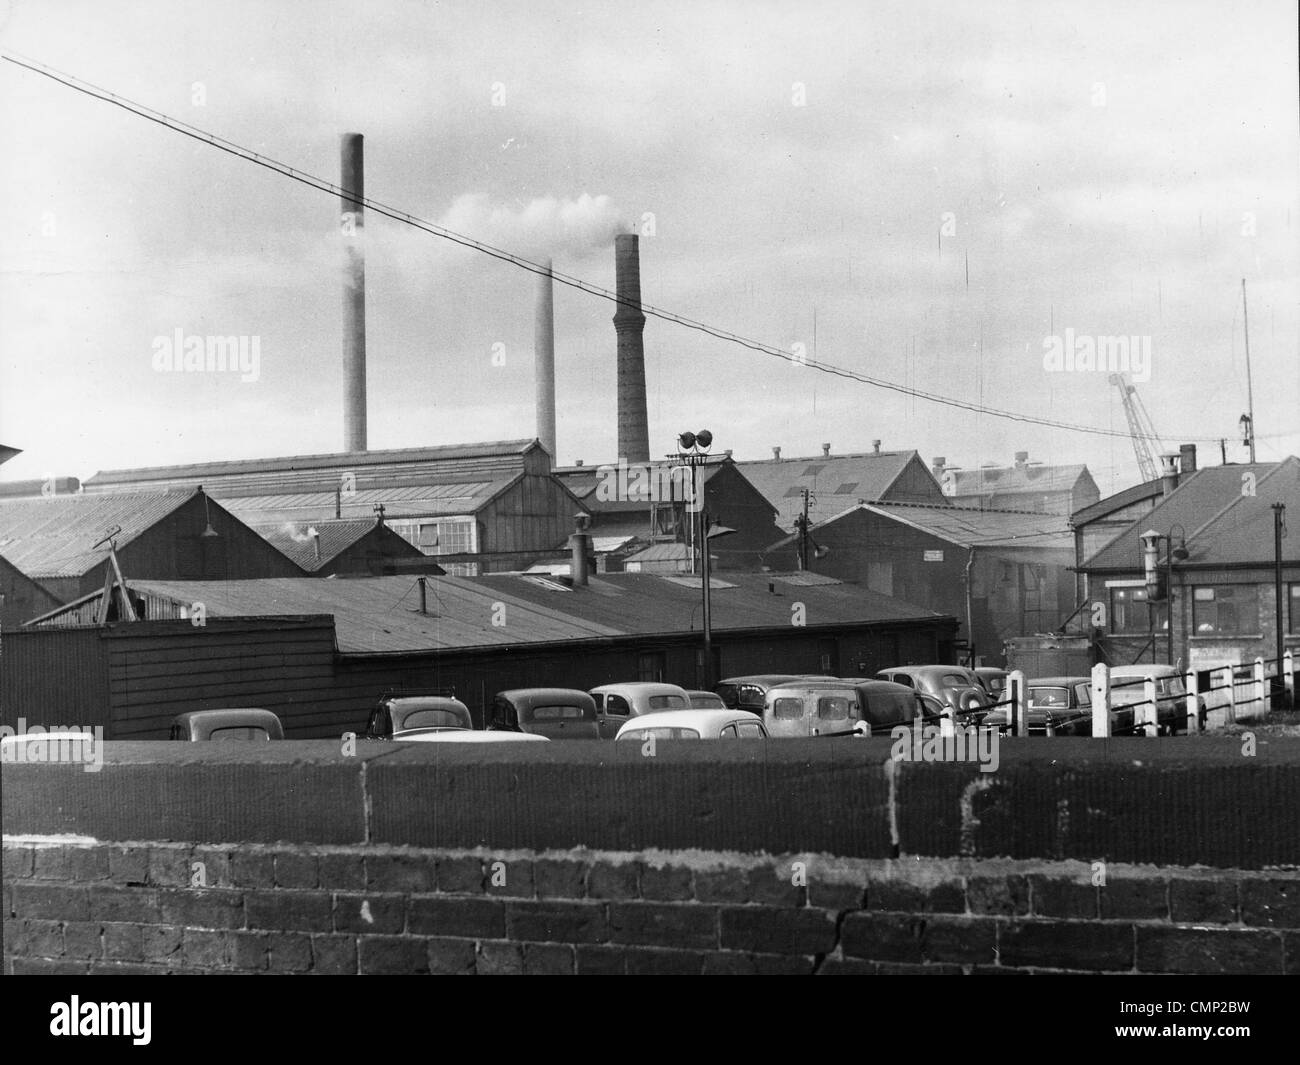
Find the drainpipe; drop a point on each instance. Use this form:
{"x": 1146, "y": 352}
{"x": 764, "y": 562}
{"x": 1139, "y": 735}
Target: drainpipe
{"x": 970, "y": 624}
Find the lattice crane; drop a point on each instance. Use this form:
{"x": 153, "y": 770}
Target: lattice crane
{"x": 1146, "y": 444}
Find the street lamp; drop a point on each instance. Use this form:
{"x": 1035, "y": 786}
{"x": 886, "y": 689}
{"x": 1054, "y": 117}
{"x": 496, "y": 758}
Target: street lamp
{"x": 692, "y": 449}
{"x": 1159, "y": 578}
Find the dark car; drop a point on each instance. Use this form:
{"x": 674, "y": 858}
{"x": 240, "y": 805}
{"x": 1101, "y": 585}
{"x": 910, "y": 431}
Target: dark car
{"x": 954, "y": 685}
{"x": 884, "y": 705}
{"x": 556, "y": 713}
{"x": 241, "y": 723}
{"x": 399, "y": 714}
{"x": 994, "y": 681}
{"x": 1062, "y": 703}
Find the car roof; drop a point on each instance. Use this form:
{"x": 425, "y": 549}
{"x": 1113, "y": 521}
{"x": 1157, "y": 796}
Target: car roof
{"x": 991, "y": 671}
{"x": 469, "y": 736}
{"x": 911, "y": 670}
{"x": 1142, "y": 669}
{"x": 423, "y": 700}
{"x": 1041, "y": 682}
{"x": 644, "y": 687}
{"x": 816, "y": 685}
{"x": 240, "y": 714}
{"x": 574, "y": 696}
{"x": 700, "y": 691}
{"x": 761, "y": 678}
{"x": 702, "y": 719}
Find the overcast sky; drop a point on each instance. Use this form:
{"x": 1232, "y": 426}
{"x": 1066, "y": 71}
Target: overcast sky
{"x": 1113, "y": 169}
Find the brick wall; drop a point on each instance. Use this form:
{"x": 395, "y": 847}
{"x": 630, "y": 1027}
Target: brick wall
{"x": 296, "y": 857}
{"x": 135, "y": 908}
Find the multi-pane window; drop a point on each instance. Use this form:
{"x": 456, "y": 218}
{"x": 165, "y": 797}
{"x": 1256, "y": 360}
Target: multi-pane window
{"x": 1225, "y": 609}
{"x": 1130, "y": 611}
{"x": 1293, "y": 615}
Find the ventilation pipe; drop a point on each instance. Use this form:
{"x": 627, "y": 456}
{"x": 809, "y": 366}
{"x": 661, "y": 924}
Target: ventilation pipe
{"x": 580, "y": 547}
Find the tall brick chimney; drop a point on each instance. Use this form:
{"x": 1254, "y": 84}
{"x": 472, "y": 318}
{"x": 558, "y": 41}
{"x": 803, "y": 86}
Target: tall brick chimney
{"x": 629, "y": 322}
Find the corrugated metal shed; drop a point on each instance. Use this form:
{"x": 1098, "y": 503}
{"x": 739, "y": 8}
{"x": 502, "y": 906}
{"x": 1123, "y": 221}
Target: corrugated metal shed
{"x": 971, "y": 526}
{"x": 381, "y": 615}
{"x": 54, "y": 536}
{"x": 442, "y": 500}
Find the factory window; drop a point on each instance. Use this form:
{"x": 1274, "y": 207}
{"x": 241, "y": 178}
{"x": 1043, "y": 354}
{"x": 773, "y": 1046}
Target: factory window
{"x": 1130, "y": 612}
{"x": 650, "y": 666}
{"x": 1225, "y": 609}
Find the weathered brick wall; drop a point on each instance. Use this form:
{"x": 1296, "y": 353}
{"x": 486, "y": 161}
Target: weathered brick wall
{"x": 95, "y": 908}
{"x": 1091, "y": 856}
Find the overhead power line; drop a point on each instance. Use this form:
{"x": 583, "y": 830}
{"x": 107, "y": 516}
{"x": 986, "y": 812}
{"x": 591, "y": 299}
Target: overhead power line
{"x": 395, "y": 213}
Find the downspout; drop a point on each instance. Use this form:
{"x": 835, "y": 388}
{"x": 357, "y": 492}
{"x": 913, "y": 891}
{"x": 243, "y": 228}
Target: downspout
{"x": 970, "y": 624}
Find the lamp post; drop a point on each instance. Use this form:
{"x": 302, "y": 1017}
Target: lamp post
{"x": 1159, "y": 576}
{"x": 693, "y": 450}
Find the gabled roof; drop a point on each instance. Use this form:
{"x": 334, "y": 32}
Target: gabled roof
{"x": 437, "y": 500}
{"x": 380, "y": 615}
{"x": 583, "y": 481}
{"x": 55, "y": 536}
{"x": 6, "y": 453}
{"x": 330, "y": 539}
{"x": 835, "y": 481}
{"x": 1126, "y": 498}
{"x": 1033, "y": 478}
{"x": 1223, "y": 527}
{"x": 969, "y": 526}
{"x": 466, "y": 462}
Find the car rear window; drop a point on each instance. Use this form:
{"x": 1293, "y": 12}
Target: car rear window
{"x": 663, "y": 733}
{"x": 833, "y": 708}
{"x": 707, "y": 702}
{"x": 556, "y": 713}
{"x": 1049, "y": 697}
{"x": 240, "y": 732}
{"x": 956, "y": 679}
{"x": 432, "y": 718}
{"x": 750, "y": 730}
{"x": 667, "y": 702}
{"x": 787, "y": 709}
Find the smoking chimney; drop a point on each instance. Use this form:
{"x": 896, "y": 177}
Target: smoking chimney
{"x": 354, "y": 297}
{"x": 629, "y": 322}
{"x": 544, "y": 360}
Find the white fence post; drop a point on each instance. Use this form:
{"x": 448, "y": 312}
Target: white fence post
{"x": 1193, "y": 699}
{"x": 1288, "y": 676}
{"x": 1020, "y": 704}
{"x": 1261, "y": 696}
{"x": 1101, "y": 701}
{"x": 1149, "y": 717}
{"x": 1229, "y": 674}
{"x": 946, "y": 722}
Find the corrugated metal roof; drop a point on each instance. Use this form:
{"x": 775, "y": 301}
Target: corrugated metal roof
{"x": 1118, "y": 501}
{"x": 314, "y": 552}
{"x": 972, "y": 526}
{"x": 381, "y": 614}
{"x": 54, "y": 536}
{"x": 1000, "y": 479}
{"x": 836, "y": 481}
{"x": 1223, "y": 527}
{"x": 442, "y": 500}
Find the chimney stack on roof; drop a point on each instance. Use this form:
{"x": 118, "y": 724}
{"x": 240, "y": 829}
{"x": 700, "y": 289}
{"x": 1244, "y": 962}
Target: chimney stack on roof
{"x": 629, "y": 323}
{"x": 580, "y": 546}
{"x": 1187, "y": 456}
{"x": 544, "y": 361}
{"x": 1169, "y": 473}
{"x": 1022, "y": 459}
{"x": 826, "y": 450}
{"x": 937, "y": 465}
{"x": 776, "y": 454}
{"x": 352, "y": 183}
{"x": 875, "y": 447}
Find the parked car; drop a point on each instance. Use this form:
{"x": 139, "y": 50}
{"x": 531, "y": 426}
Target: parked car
{"x": 556, "y": 713}
{"x": 1127, "y": 688}
{"x": 470, "y": 736}
{"x": 993, "y": 680}
{"x": 748, "y": 693}
{"x": 954, "y": 685}
{"x": 1065, "y": 704}
{"x": 705, "y": 700}
{"x": 401, "y": 713}
{"x": 242, "y": 723}
{"x": 694, "y": 725}
{"x": 615, "y": 703}
{"x": 884, "y": 705}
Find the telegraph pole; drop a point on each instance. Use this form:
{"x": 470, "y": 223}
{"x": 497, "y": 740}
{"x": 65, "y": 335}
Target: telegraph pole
{"x": 803, "y": 533}
{"x": 1279, "y": 525}
{"x": 1250, "y": 392}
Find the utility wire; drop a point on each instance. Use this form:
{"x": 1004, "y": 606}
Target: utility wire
{"x": 378, "y": 207}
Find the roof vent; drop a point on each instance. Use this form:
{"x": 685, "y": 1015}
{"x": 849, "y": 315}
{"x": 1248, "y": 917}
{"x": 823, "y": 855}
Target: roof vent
{"x": 826, "y": 450}
{"x": 776, "y": 454}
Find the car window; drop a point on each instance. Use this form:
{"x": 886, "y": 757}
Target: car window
{"x": 663, "y": 733}
{"x": 886, "y": 707}
{"x": 707, "y": 702}
{"x": 667, "y": 702}
{"x": 957, "y": 679}
{"x": 750, "y": 697}
{"x": 433, "y": 718}
{"x": 1049, "y": 697}
{"x": 901, "y": 678}
{"x": 600, "y": 700}
{"x": 556, "y": 713}
{"x": 616, "y": 704}
{"x": 1083, "y": 692}
{"x": 749, "y": 730}
{"x": 787, "y": 709}
{"x": 833, "y": 708}
{"x": 240, "y": 732}
{"x": 728, "y": 733}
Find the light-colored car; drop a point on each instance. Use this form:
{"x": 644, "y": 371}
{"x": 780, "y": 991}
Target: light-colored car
{"x": 814, "y": 708}
{"x": 239, "y": 723}
{"x": 705, "y": 700}
{"x": 616, "y": 703}
{"x": 694, "y": 725}
{"x": 1128, "y": 689}
{"x": 470, "y": 736}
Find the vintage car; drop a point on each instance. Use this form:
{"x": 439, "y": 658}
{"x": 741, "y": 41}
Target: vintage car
{"x": 1128, "y": 689}
{"x": 694, "y": 725}
{"x": 993, "y": 680}
{"x": 954, "y": 685}
{"x": 1063, "y": 704}
{"x": 556, "y": 713}
{"x": 402, "y": 712}
{"x": 701, "y": 700}
{"x": 748, "y": 693}
{"x": 854, "y": 706}
{"x": 615, "y": 703}
{"x": 240, "y": 723}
